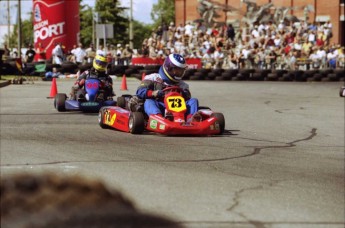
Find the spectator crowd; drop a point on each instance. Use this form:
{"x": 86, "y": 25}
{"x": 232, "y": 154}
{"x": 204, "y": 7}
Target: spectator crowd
{"x": 285, "y": 45}
{"x": 263, "y": 46}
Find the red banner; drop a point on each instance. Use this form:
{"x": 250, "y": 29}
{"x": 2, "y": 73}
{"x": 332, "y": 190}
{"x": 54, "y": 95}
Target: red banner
{"x": 55, "y": 21}
{"x": 193, "y": 63}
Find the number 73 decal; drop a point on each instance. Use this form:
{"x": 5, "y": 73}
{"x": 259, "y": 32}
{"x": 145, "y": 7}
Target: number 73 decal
{"x": 176, "y": 103}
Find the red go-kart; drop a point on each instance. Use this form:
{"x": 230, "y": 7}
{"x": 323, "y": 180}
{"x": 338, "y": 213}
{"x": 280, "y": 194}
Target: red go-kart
{"x": 172, "y": 123}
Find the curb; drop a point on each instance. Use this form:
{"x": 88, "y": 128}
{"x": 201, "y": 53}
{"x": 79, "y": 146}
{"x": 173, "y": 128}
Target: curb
{"x": 4, "y": 83}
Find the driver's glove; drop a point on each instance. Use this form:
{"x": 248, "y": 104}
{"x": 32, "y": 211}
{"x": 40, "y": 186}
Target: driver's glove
{"x": 157, "y": 94}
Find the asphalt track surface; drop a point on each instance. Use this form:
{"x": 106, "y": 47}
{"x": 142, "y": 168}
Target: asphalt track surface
{"x": 280, "y": 162}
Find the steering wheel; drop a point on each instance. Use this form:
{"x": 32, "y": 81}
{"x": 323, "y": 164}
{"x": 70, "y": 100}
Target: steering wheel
{"x": 172, "y": 89}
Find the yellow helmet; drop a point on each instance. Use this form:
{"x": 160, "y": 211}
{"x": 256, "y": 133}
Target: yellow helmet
{"x": 100, "y": 63}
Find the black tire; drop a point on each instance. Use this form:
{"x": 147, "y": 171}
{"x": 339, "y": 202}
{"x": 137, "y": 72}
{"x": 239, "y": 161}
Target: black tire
{"x": 121, "y": 102}
{"x": 136, "y": 123}
{"x": 204, "y": 107}
{"x": 59, "y": 102}
{"x": 221, "y": 121}
{"x": 101, "y": 118}
{"x": 272, "y": 77}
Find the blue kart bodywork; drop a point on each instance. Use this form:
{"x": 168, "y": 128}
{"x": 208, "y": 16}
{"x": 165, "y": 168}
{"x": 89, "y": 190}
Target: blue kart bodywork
{"x": 91, "y": 103}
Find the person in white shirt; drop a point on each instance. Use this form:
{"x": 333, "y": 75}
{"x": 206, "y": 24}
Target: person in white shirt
{"x": 188, "y": 29}
{"x": 219, "y": 57}
{"x": 79, "y": 54}
{"x": 315, "y": 59}
{"x": 57, "y": 54}
{"x": 332, "y": 58}
{"x": 322, "y": 55}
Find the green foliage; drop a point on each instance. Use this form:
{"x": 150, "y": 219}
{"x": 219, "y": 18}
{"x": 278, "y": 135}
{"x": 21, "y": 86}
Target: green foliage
{"x": 86, "y": 29}
{"x": 140, "y": 32}
{"x": 163, "y": 12}
{"x": 27, "y": 34}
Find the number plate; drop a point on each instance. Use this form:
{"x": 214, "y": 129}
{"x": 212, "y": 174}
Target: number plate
{"x": 176, "y": 103}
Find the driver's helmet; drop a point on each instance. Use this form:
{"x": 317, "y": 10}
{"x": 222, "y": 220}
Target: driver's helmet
{"x": 174, "y": 67}
{"x": 100, "y": 63}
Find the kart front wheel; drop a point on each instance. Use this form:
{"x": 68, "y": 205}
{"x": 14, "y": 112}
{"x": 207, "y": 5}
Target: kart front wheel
{"x": 136, "y": 123}
{"x": 121, "y": 102}
{"x": 220, "y": 120}
{"x": 101, "y": 114}
{"x": 59, "y": 102}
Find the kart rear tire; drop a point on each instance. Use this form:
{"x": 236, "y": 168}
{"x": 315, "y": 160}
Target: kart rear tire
{"x": 101, "y": 118}
{"x": 136, "y": 123}
{"x": 221, "y": 121}
{"x": 121, "y": 102}
{"x": 59, "y": 102}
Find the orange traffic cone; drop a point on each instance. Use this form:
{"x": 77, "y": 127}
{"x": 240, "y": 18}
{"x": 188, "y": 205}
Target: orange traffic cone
{"x": 53, "y": 89}
{"x": 143, "y": 76}
{"x": 124, "y": 83}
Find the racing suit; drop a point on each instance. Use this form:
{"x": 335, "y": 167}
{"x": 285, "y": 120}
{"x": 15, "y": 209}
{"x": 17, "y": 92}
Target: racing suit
{"x": 106, "y": 83}
{"x": 156, "y": 82}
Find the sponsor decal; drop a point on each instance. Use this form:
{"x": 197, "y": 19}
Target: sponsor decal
{"x": 55, "y": 21}
{"x": 91, "y": 85}
{"x": 89, "y": 104}
{"x": 153, "y": 124}
{"x": 37, "y": 13}
{"x": 162, "y": 127}
{"x": 108, "y": 118}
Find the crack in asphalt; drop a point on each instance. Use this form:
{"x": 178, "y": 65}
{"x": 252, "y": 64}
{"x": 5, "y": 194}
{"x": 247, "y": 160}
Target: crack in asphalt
{"x": 236, "y": 200}
{"x": 257, "y": 150}
{"x": 237, "y": 195}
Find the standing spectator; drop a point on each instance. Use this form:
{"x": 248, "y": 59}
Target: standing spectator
{"x": 40, "y": 53}
{"x": 70, "y": 55}
{"x": 90, "y": 53}
{"x": 311, "y": 36}
{"x": 30, "y": 54}
{"x": 180, "y": 28}
{"x": 79, "y": 54}
{"x": 188, "y": 29}
{"x": 230, "y": 32}
{"x": 171, "y": 31}
{"x": 159, "y": 32}
{"x": 118, "y": 54}
{"x": 127, "y": 55}
{"x": 219, "y": 57}
{"x": 100, "y": 50}
{"x": 110, "y": 54}
{"x": 57, "y": 54}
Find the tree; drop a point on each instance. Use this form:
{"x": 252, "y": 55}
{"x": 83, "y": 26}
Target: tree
{"x": 140, "y": 32}
{"x": 163, "y": 12}
{"x": 86, "y": 20}
{"x": 27, "y": 34}
{"x": 111, "y": 13}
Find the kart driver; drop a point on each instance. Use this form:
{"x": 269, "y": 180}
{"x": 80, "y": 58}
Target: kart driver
{"x": 170, "y": 74}
{"x": 98, "y": 70}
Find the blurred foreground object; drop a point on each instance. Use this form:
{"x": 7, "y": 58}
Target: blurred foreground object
{"x": 49, "y": 200}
